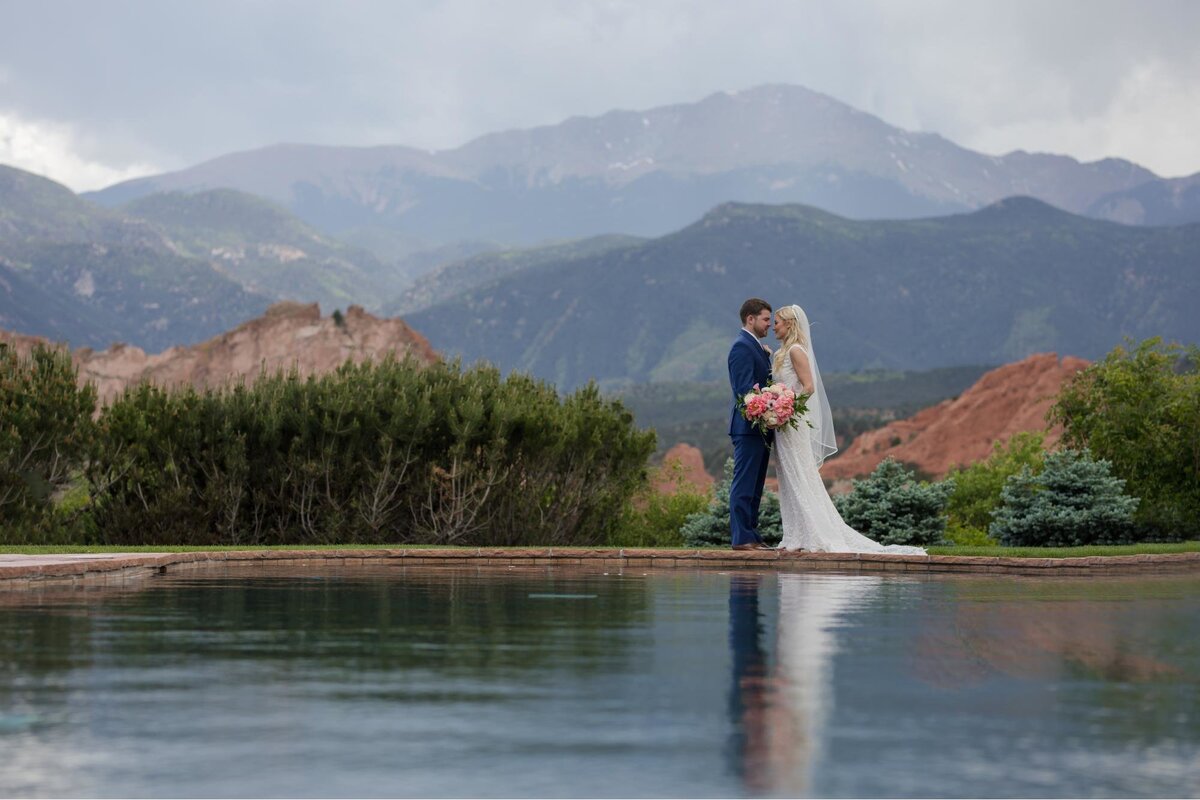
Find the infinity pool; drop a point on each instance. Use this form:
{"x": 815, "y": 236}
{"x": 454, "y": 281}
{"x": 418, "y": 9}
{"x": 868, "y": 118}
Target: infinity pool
{"x": 408, "y": 681}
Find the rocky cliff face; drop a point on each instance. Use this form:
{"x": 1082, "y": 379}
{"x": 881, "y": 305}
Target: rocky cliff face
{"x": 1005, "y": 401}
{"x": 288, "y": 335}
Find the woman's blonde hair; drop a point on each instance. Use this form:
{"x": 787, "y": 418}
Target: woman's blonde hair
{"x": 795, "y": 335}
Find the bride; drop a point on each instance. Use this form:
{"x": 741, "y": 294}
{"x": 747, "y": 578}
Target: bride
{"x": 810, "y": 520}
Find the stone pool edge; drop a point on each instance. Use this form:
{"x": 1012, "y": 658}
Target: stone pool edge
{"x": 21, "y": 571}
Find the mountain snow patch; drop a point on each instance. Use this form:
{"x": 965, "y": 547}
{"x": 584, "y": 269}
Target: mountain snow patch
{"x": 85, "y": 284}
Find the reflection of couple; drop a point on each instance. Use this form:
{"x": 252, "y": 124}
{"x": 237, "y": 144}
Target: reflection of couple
{"x": 810, "y": 520}
{"x": 779, "y": 706}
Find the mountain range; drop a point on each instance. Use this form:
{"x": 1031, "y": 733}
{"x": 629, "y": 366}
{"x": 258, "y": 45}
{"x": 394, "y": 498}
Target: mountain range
{"x": 465, "y": 274}
{"x": 91, "y": 276}
{"x": 265, "y": 249}
{"x": 987, "y": 287}
{"x": 582, "y": 274}
{"x": 649, "y": 172}
{"x": 165, "y": 269}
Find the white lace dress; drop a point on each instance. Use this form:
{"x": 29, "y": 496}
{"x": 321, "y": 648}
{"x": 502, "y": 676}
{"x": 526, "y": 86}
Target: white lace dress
{"x": 810, "y": 519}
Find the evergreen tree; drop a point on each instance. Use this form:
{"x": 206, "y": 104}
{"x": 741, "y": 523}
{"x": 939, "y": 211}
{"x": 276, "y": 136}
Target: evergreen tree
{"x": 373, "y": 452}
{"x": 1074, "y": 501}
{"x": 892, "y": 507}
{"x": 710, "y": 527}
{"x": 46, "y": 433}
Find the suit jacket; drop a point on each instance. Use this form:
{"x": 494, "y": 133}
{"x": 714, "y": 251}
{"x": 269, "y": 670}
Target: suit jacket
{"x": 749, "y": 364}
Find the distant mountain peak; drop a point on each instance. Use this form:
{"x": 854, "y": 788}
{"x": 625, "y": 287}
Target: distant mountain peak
{"x": 790, "y": 211}
{"x": 1021, "y": 209}
{"x": 650, "y": 171}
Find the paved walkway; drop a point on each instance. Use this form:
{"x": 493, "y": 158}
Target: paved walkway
{"x": 23, "y": 571}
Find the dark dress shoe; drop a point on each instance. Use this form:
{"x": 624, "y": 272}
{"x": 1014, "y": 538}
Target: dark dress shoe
{"x": 752, "y": 546}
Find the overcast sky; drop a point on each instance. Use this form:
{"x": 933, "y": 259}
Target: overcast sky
{"x": 96, "y": 92}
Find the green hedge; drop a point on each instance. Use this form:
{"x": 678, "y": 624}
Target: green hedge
{"x": 371, "y": 453}
{"x": 46, "y": 433}
{"x": 655, "y": 518}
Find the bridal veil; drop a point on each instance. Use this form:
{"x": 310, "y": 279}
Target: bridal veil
{"x": 824, "y": 443}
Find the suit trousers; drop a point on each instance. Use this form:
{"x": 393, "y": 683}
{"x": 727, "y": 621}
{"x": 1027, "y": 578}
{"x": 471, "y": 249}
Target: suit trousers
{"x": 750, "y": 457}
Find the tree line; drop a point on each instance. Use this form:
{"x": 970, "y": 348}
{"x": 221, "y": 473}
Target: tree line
{"x": 396, "y": 452}
{"x": 383, "y": 452}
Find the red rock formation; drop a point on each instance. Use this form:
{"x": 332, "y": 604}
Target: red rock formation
{"x": 1005, "y": 401}
{"x": 690, "y": 463}
{"x": 287, "y": 335}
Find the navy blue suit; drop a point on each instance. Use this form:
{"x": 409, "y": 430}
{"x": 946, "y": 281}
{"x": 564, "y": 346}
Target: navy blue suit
{"x": 749, "y": 364}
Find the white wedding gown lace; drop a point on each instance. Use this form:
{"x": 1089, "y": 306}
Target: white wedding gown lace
{"x": 810, "y": 519}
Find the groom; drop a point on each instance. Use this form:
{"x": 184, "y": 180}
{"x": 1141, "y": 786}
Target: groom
{"x": 749, "y": 365}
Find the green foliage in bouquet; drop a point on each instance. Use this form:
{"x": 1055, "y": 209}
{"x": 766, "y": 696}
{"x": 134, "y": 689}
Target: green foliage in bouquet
{"x": 977, "y": 488}
{"x": 1139, "y": 409}
{"x": 710, "y": 528}
{"x": 1074, "y": 501}
{"x": 892, "y": 507}
{"x": 46, "y": 433}
{"x": 386, "y": 452}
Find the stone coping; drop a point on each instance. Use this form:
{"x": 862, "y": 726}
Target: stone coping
{"x": 23, "y": 571}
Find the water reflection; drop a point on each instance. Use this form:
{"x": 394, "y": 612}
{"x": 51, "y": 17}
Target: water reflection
{"x": 1040, "y": 631}
{"x": 780, "y": 706}
{"x": 388, "y": 681}
{"x": 749, "y": 703}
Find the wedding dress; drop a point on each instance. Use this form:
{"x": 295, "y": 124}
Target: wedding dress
{"x": 810, "y": 519}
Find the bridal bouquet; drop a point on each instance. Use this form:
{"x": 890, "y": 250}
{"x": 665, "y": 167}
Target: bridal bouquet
{"x": 772, "y": 408}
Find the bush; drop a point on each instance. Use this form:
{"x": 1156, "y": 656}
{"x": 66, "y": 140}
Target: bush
{"x": 1139, "y": 410}
{"x": 966, "y": 536}
{"x": 46, "y": 433}
{"x": 977, "y": 488}
{"x": 1074, "y": 501}
{"x": 891, "y": 507}
{"x": 710, "y": 527}
{"x": 383, "y": 452}
{"x": 655, "y": 519}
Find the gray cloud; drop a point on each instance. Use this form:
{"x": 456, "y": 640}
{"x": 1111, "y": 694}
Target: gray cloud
{"x": 129, "y": 86}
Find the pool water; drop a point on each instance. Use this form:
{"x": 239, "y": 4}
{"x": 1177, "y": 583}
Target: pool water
{"x": 407, "y": 681}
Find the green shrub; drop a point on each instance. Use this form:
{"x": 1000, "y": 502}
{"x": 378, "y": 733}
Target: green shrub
{"x": 46, "y": 433}
{"x": 977, "y": 488}
{"x": 655, "y": 519}
{"x": 373, "y": 452}
{"x": 1074, "y": 501}
{"x": 1139, "y": 410}
{"x": 965, "y": 536}
{"x": 710, "y": 527}
{"x": 891, "y": 507}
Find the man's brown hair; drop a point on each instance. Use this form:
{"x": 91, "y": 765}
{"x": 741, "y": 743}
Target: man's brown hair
{"x": 753, "y": 307}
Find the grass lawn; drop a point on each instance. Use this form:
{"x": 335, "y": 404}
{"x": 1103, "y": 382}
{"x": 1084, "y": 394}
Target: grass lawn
{"x": 57, "y": 549}
{"x": 1011, "y": 552}
{"x": 1070, "y": 552}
